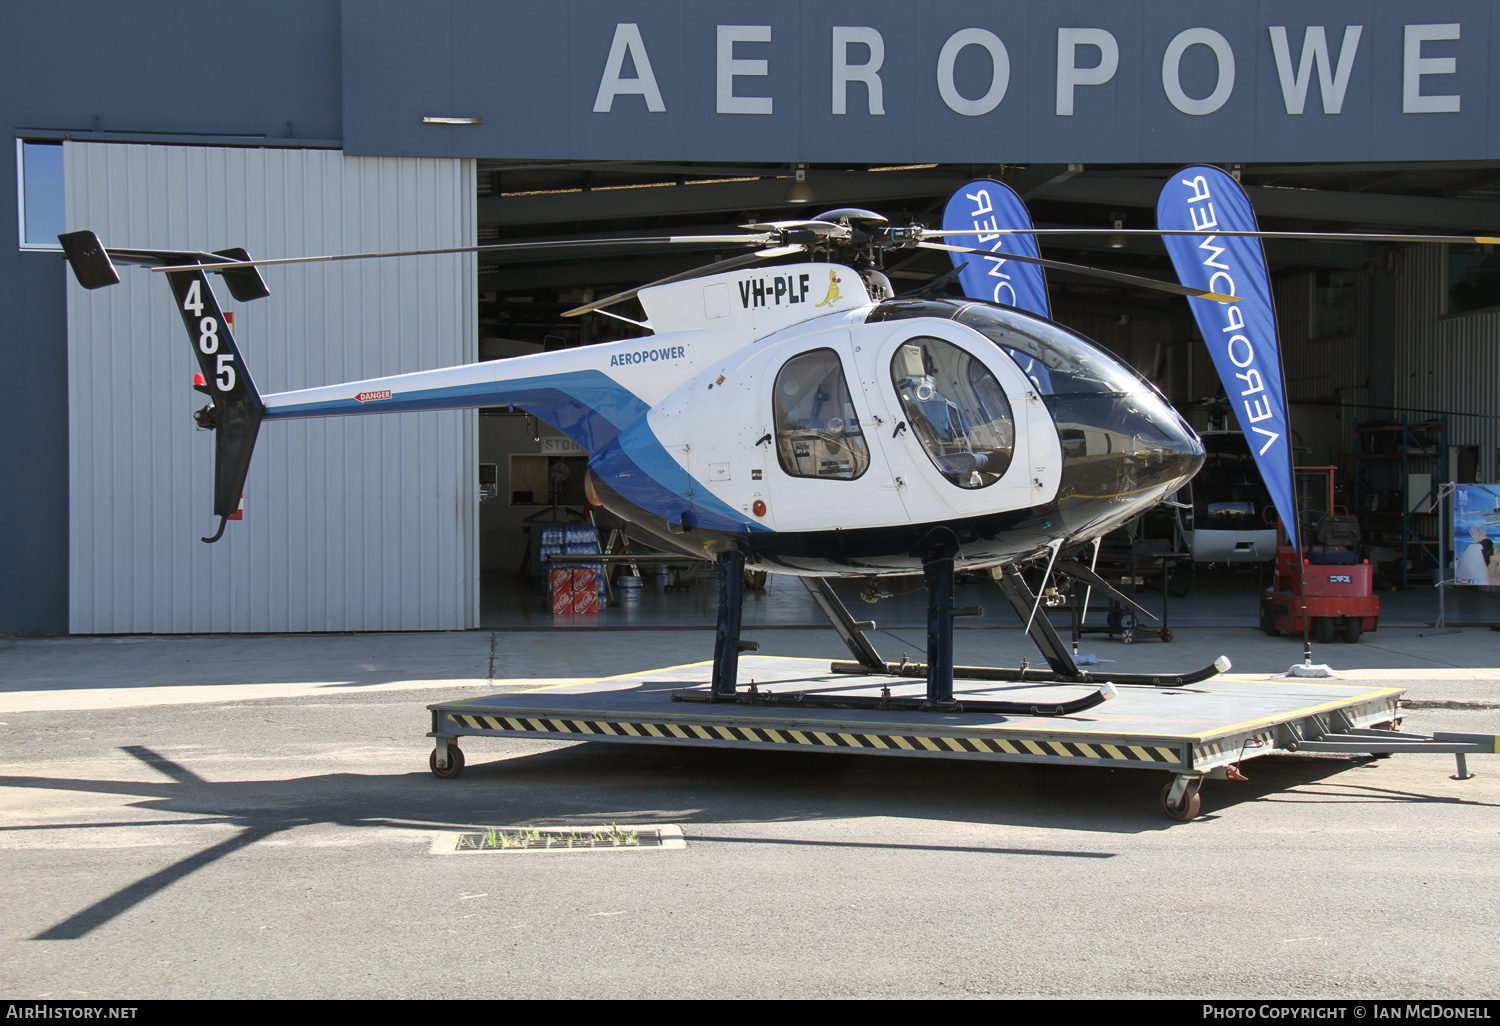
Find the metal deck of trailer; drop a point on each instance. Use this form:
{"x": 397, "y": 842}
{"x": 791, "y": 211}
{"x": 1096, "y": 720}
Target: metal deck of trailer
{"x": 1193, "y": 731}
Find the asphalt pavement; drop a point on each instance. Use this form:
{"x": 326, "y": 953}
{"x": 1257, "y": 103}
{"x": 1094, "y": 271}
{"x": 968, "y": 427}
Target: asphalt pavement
{"x": 253, "y": 817}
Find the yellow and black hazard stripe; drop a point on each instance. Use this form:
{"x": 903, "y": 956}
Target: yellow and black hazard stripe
{"x": 713, "y": 732}
{"x": 1230, "y": 749}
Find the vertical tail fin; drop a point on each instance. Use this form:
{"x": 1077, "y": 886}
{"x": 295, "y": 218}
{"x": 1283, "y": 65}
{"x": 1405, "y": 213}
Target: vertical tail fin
{"x": 236, "y": 411}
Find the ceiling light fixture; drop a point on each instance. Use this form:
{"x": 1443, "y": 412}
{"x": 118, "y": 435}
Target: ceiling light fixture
{"x": 799, "y": 191}
{"x": 453, "y": 121}
{"x": 1117, "y": 241}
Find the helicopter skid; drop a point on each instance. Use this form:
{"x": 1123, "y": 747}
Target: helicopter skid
{"x": 1025, "y": 674}
{"x": 803, "y": 700}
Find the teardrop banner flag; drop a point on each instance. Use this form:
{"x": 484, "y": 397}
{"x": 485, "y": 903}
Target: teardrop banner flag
{"x": 986, "y": 206}
{"x": 1241, "y": 337}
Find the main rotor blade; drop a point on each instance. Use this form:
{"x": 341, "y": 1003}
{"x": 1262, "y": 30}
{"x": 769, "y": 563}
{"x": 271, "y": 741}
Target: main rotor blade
{"x": 697, "y": 272}
{"x": 499, "y": 247}
{"x": 1153, "y": 232}
{"x": 1095, "y": 272}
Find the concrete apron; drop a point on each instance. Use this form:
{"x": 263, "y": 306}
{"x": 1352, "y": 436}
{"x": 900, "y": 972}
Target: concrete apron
{"x": 101, "y": 672}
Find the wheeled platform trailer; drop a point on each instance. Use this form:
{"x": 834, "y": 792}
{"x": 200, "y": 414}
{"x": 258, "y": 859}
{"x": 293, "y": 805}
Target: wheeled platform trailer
{"x": 1192, "y": 726}
{"x": 1194, "y": 733}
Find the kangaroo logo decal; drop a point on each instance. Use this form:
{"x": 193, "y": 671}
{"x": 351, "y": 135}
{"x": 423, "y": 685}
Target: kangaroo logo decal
{"x": 833, "y": 289}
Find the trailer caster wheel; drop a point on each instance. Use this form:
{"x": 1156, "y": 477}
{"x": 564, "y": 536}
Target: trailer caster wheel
{"x": 455, "y": 763}
{"x": 1128, "y": 635}
{"x": 1192, "y": 804}
{"x": 1166, "y": 636}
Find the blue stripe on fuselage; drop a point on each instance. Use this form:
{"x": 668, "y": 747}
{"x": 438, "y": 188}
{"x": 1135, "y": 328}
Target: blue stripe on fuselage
{"x": 642, "y": 472}
{"x": 589, "y": 407}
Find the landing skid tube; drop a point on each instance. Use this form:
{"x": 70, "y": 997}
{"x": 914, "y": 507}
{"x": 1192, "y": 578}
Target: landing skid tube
{"x": 803, "y": 700}
{"x": 1061, "y": 668}
{"x": 1031, "y": 676}
{"x": 939, "y": 671}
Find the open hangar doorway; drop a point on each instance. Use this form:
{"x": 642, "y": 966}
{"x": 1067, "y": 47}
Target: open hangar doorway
{"x": 1354, "y": 319}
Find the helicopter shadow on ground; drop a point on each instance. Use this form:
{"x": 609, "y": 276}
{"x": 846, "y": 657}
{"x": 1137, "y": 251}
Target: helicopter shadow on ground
{"x": 700, "y": 789}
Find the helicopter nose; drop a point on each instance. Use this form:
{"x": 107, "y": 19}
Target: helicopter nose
{"x": 1121, "y": 455}
{"x": 1170, "y": 450}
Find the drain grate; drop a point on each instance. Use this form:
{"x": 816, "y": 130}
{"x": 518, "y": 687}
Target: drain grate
{"x": 518, "y": 839}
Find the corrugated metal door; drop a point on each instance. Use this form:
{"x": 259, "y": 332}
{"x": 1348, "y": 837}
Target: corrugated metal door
{"x": 1448, "y": 363}
{"x": 364, "y": 523}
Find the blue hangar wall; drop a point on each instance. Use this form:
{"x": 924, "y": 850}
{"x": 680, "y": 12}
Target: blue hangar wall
{"x": 166, "y": 71}
{"x": 901, "y": 81}
{"x": 966, "y": 81}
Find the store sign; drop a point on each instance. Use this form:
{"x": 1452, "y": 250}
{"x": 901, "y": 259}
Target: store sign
{"x": 1476, "y": 534}
{"x": 899, "y": 81}
{"x": 562, "y": 447}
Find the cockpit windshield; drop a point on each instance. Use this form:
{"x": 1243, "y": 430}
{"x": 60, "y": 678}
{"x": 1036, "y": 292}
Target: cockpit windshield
{"x": 1058, "y": 361}
{"x": 956, "y": 409}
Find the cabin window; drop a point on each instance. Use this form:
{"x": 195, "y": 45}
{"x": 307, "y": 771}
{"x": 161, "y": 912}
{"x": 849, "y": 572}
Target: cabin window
{"x": 817, "y": 429}
{"x": 956, "y": 409}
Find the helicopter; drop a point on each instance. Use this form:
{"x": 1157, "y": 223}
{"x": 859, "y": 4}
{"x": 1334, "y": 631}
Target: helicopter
{"x": 796, "y": 417}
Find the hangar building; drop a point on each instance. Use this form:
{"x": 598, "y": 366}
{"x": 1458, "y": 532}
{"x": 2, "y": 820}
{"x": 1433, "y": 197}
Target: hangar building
{"x": 296, "y": 127}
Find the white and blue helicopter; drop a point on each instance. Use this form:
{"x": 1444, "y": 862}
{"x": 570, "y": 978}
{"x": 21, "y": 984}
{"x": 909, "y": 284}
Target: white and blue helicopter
{"x": 796, "y": 417}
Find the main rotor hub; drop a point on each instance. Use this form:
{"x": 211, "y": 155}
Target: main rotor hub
{"x": 853, "y": 215}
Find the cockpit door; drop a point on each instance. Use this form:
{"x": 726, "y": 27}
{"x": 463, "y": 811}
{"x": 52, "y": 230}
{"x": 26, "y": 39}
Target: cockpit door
{"x": 827, "y": 463}
{"x": 968, "y": 434}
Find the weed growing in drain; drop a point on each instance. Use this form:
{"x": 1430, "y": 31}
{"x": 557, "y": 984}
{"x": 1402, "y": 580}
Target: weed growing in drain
{"x": 495, "y": 838}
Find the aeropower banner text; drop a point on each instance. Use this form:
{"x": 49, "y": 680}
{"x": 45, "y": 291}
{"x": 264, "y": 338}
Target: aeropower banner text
{"x": 987, "y": 206}
{"x": 1241, "y": 337}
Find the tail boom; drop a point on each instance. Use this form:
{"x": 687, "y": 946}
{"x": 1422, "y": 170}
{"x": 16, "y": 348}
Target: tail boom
{"x": 587, "y": 405}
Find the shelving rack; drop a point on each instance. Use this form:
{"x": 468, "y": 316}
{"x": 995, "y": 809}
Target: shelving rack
{"x": 1391, "y": 515}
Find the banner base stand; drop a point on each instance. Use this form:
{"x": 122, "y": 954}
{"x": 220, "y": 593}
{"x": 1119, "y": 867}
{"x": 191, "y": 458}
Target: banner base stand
{"x": 1310, "y": 670}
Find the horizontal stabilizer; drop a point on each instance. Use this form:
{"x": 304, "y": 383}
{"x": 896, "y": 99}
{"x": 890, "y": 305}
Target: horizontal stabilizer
{"x": 91, "y": 264}
{"x": 245, "y": 283}
{"x": 94, "y": 266}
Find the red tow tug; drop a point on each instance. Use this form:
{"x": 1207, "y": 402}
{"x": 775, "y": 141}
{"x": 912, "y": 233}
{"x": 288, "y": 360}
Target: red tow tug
{"x": 1339, "y": 585}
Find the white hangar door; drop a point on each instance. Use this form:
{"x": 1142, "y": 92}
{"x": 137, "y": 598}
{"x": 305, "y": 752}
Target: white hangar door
{"x": 350, "y": 524}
